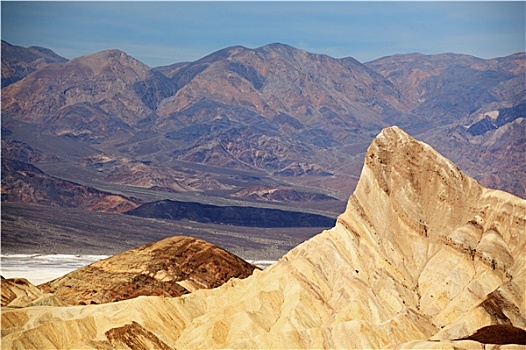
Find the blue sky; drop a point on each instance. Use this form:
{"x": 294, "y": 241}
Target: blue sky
{"x": 162, "y": 33}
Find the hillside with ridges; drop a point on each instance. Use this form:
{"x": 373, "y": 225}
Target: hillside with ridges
{"x": 282, "y": 114}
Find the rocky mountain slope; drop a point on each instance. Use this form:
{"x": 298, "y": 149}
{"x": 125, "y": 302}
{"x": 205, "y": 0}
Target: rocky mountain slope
{"x": 170, "y": 267}
{"x": 422, "y": 257}
{"x": 481, "y": 105}
{"x": 441, "y": 88}
{"x": 19, "y": 292}
{"x": 89, "y": 97}
{"x": 23, "y": 182}
{"x": 17, "y": 62}
{"x": 284, "y": 116}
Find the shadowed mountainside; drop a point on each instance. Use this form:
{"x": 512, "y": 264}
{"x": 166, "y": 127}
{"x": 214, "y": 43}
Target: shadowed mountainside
{"x": 23, "y": 182}
{"x": 229, "y": 215}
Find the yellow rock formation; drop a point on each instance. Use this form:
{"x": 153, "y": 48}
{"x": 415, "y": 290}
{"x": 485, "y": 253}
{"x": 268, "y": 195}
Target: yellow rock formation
{"x": 19, "y": 292}
{"x": 422, "y": 257}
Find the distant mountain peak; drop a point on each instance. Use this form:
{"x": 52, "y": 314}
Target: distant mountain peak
{"x": 99, "y": 60}
{"x": 265, "y": 108}
{"x": 110, "y": 53}
{"x": 279, "y": 46}
{"x": 18, "y": 62}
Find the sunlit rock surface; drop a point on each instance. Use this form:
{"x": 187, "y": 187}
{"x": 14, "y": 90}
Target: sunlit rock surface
{"x": 423, "y": 257}
{"x": 170, "y": 267}
{"x": 19, "y": 292}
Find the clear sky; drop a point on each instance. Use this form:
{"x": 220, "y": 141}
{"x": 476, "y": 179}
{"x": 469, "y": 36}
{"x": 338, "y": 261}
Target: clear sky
{"x": 165, "y": 32}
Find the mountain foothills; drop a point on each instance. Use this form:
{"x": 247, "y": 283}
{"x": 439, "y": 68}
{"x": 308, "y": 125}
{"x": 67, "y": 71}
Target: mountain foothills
{"x": 171, "y": 267}
{"x": 242, "y": 123}
{"x": 25, "y": 183}
{"x": 422, "y": 257}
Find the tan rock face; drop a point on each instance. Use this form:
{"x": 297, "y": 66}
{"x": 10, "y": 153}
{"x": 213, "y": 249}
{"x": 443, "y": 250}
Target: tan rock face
{"x": 170, "y": 267}
{"x": 423, "y": 256}
{"x": 19, "y": 292}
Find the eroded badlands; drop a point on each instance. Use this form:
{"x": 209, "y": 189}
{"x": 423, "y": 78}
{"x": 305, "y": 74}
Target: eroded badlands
{"x": 422, "y": 257}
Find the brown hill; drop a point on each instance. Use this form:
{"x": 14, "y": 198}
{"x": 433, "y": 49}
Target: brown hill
{"x": 171, "y": 267}
{"x": 23, "y": 182}
{"x": 18, "y": 62}
{"x": 422, "y": 256}
{"x": 90, "y": 97}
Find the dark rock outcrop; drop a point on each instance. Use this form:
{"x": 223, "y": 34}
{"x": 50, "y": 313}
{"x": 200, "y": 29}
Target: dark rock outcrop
{"x": 229, "y": 215}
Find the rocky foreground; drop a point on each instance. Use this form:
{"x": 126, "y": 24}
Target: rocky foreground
{"x": 422, "y": 257}
{"x": 171, "y": 267}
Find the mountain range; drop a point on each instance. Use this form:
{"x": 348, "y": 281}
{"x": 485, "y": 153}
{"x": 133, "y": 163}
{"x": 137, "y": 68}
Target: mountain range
{"x": 241, "y": 120}
{"x": 423, "y": 257}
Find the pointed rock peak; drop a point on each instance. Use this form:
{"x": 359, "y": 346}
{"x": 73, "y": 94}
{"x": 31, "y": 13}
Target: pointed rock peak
{"x": 395, "y": 157}
{"x": 412, "y": 179}
{"x": 395, "y": 137}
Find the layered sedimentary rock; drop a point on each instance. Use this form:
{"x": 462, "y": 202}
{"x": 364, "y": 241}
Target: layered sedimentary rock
{"x": 423, "y": 256}
{"x": 171, "y": 267}
{"x": 19, "y": 292}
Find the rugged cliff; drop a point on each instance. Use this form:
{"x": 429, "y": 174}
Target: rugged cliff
{"x": 423, "y": 256}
